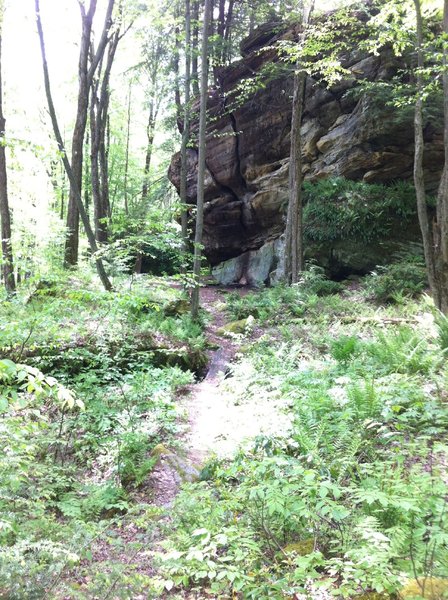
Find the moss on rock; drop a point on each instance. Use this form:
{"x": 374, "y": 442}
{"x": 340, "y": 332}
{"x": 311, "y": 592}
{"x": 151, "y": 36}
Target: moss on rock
{"x": 435, "y": 588}
{"x": 236, "y": 327}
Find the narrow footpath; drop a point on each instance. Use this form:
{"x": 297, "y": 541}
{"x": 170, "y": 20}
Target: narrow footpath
{"x": 218, "y": 423}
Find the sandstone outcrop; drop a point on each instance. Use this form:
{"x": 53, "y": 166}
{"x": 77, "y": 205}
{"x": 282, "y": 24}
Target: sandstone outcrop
{"x": 248, "y": 141}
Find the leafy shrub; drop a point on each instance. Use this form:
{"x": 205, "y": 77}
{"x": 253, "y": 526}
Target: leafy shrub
{"x": 154, "y": 241}
{"x": 341, "y": 209}
{"x": 134, "y": 460}
{"x": 442, "y": 326}
{"x": 391, "y": 282}
{"x": 283, "y": 299}
{"x": 314, "y": 281}
{"x": 266, "y": 304}
{"x": 400, "y": 351}
{"x": 344, "y": 348}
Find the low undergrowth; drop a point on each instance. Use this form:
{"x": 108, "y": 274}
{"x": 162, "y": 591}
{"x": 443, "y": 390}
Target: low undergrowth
{"x": 352, "y": 499}
{"x": 77, "y": 445}
{"x": 349, "y": 502}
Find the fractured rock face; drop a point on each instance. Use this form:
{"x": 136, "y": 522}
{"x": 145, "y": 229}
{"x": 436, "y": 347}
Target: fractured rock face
{"x": 248, "y": 145}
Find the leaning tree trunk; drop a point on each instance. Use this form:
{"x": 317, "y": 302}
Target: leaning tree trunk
{"x": 7, "y": 258}
{"x": 201, "y": 163}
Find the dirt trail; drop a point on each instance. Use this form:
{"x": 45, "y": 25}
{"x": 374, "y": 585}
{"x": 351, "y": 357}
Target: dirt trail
{"x": 218, "y": 424}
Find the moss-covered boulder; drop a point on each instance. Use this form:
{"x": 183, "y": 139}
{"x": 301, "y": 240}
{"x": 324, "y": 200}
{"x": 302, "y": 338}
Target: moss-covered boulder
{"x": 176, "y": 308}
{"x": 302, "y": 548}
{"x": 431, "y": 588}
{"x": 236, "y": 327}
{"x": 186, "y": 358}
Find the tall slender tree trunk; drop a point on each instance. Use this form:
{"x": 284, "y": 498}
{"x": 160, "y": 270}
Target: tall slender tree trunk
{"x": 150, "y": 130}
{"x": 441, "y": 235}
{"x": 99, "y": 111}
{"x": 104, "y": 169}
{"x": 419, "y": 180}
{"x": 85, "y": 76}
{"x": 7, "y": 258}
{"x": 72, "y": 239}
{"x": 68, "y": 169}
{"x": 186, "y": 129}
{"x": 201, "y": 161}
{"x": 294, "y": 224}
{"x": 176, "y": 69}
{"x": 94, "y": 161}
{"x": 126, "y": 160}
{"x": 294, "y": 261}
{"x": 194, "y": 48}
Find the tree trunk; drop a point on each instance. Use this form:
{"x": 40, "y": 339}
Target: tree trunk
{"x": 186, "y": 129}
{"x": 224, "y": 27}
{"x": 126, "y": 161}
{"x": 419, "y": 180}
{"x": 201, "y": 162}
{"x": 194, "y": 48}
{"x": 99, "y": 110}
{"x": 150, "y": 130}
{"x": 177, "y": 95}
{"x": 72, "y": 239}
{"x": 294, "y": 262}
{"x": 70, "y": 175}
{"x": 7, "y": 258}
{"x": 441, "y": 241}
{"x": 85, "y": 76}
{"x": 104, "y": 168}
{"x": 94, "y": 161}
{"x": 294, "y": 222}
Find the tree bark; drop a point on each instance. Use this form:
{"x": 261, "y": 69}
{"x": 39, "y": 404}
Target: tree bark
{"x": 294, "y": 222}
{"x": 186, "y": 129}
{"x": 85, "y": 75}
{"x": 176, "y": 69}
{"x": 441, "y": 237}
{"x": 419, "y": 180}
{"x": 94, "y": 160}
{"x": 126, "y": 160}
{"x": 68, "y": 169}
{"x": 194, "y": 48}
{"x": 294, "y": 262}
{"x": 154, "y": 61}
{"x": 150, "y": 130}
{"x": 7, "y": 257}
{"x": 201, "y": 163}
{"x": 99, "y": 110}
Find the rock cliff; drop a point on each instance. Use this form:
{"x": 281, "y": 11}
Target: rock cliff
{"x": 344, "y": 134}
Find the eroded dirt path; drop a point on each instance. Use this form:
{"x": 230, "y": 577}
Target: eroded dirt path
{"x": 218, "y": 422}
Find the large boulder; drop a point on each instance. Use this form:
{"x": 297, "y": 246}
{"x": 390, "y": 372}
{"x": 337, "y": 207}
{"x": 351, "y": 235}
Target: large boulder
{"x": 248, "y": 145}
